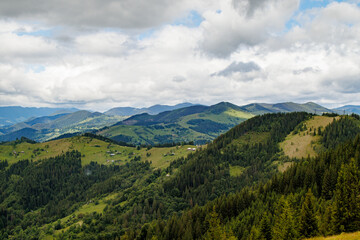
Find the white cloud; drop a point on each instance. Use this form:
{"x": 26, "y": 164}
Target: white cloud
{"x": 224, "y": 32}
{"x": 241, "y": 54}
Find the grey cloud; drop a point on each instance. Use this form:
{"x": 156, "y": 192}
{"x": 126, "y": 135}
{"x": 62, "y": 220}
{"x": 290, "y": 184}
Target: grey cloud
{"x": 305, "y": 70}
{"x": 94, "y": 13}
{"x": 238, "y": 67}
{"x": 346, "y": 84}
{"x": 179, "y": 79}
{"x": 252, "y": 5}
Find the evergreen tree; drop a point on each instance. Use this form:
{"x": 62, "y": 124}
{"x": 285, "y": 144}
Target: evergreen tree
{"x": 284, "y": 225}
{"x": 265, "y": 228}
{"x": 216, "y": 231}
{"x": 346, "y": 209}
{"x": 308, "y": 222}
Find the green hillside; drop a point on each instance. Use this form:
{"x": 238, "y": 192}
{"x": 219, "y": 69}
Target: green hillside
{"x": 230, "y": 189}
{"x": 262, "y": 108}
{"x": 93, "y": 150}
{"x": 196, "y": 123}
{"x": 46, "y": 128}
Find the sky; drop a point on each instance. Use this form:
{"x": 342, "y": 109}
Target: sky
{"x": 99, "y": 54}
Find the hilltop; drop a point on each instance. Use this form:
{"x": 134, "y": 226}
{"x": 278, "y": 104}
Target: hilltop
{"x": 195, "y": 123}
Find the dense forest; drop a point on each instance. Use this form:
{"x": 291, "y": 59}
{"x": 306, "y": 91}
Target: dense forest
{"x": 197, "y": 197}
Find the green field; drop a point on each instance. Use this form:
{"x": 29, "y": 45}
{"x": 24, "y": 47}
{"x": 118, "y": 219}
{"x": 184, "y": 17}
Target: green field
{"x": 93, "y": 150}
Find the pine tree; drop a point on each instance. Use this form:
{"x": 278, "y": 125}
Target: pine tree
{"x": 308, "y": 222}
{"x": 216, "y": 231}
{"x": 284, "y": 225}
{"x": 265, "y": 228}
{"x": 346, "y": 208}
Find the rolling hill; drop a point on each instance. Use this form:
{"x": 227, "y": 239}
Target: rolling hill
{"x": 48, "y": 127}
{"x": 16, "y": 114}
{"x": 195, "y": 123}
{"x": 155, "y": 125}
{"x": 262, "y": 108}
{"x": 348, "y": 109}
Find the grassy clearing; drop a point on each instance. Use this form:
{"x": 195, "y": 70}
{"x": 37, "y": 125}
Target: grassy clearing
{"x": 284, "y": 166}
{"x": 239, "y": 114}
{"x": 162, "y": 157}
{"x": 236, "y": 171}
{"x": 343, "y": 236}
{"x": 92, "y": 150}
{"x": 302, "y": 144}
{"x": 251, "y": 138}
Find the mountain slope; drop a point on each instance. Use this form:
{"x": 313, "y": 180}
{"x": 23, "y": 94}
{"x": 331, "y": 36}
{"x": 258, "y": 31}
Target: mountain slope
{"x": 261, "y": 108}
{"x": 348, "y": 109}
{"x": 12, "y": 115}
{"x": 45, "y": 128}
{"x": 195, "y": 123}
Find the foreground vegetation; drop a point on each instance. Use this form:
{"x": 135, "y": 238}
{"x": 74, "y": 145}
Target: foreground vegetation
{"x": 232, "y": 189}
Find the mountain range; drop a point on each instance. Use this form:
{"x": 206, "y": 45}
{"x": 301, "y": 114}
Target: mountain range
{"x": 348, "y": 109}
{"x": 48, "y": 127}
{"x": 11, "y": 115}
{"x": 157, "y": 124}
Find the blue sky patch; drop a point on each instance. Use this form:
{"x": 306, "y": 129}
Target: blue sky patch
{"x": 306, "y": 5}
{"x": 42, "y": 33}
{"x": 192, "y": 20}
{"x": 36, "y": 68}
{"x": 146, "y": 34}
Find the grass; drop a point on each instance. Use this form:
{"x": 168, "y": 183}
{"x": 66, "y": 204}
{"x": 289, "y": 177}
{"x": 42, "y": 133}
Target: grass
{"x": 92, "y": 150}
{"x": 251, "y": 138}
{"x": 236, "y": 171}
{"x": 161, "y": 157}
{"x": 239, "y": 114}
{"x": 284, "y": 166}
{"x": 303, "y": 143}
{"x": 343, "y": 236}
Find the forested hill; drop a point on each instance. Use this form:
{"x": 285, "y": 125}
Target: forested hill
{"x": 196, "y": 123}
{"x": 318, "y": 196}
{"x": 231, "y": 189}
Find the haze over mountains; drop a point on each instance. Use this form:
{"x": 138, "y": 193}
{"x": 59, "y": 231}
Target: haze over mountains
{"x": 129, "y": 111}
{"x": 157, "y": 124}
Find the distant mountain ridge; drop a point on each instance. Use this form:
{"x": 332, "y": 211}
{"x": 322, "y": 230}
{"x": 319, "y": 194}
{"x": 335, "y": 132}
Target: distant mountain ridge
{"x": 15, "y": 114}
{"x": 196, "y": 123}
{"x": 48, "y": 127}
{"x": 261, "y": 108}
{"x": 182, "y": 122}
{"x": 156, "y": 109}
{"x": 348, "y": 109}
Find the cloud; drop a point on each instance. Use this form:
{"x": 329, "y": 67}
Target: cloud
{"x": 126, "y": 14}
{"x": 179, "y": 79}
{"x": 241, "y": 67}
{"x": 242, "y": 53}
{"x": 247, "y": 24}
{"x": 306, "y": 70}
